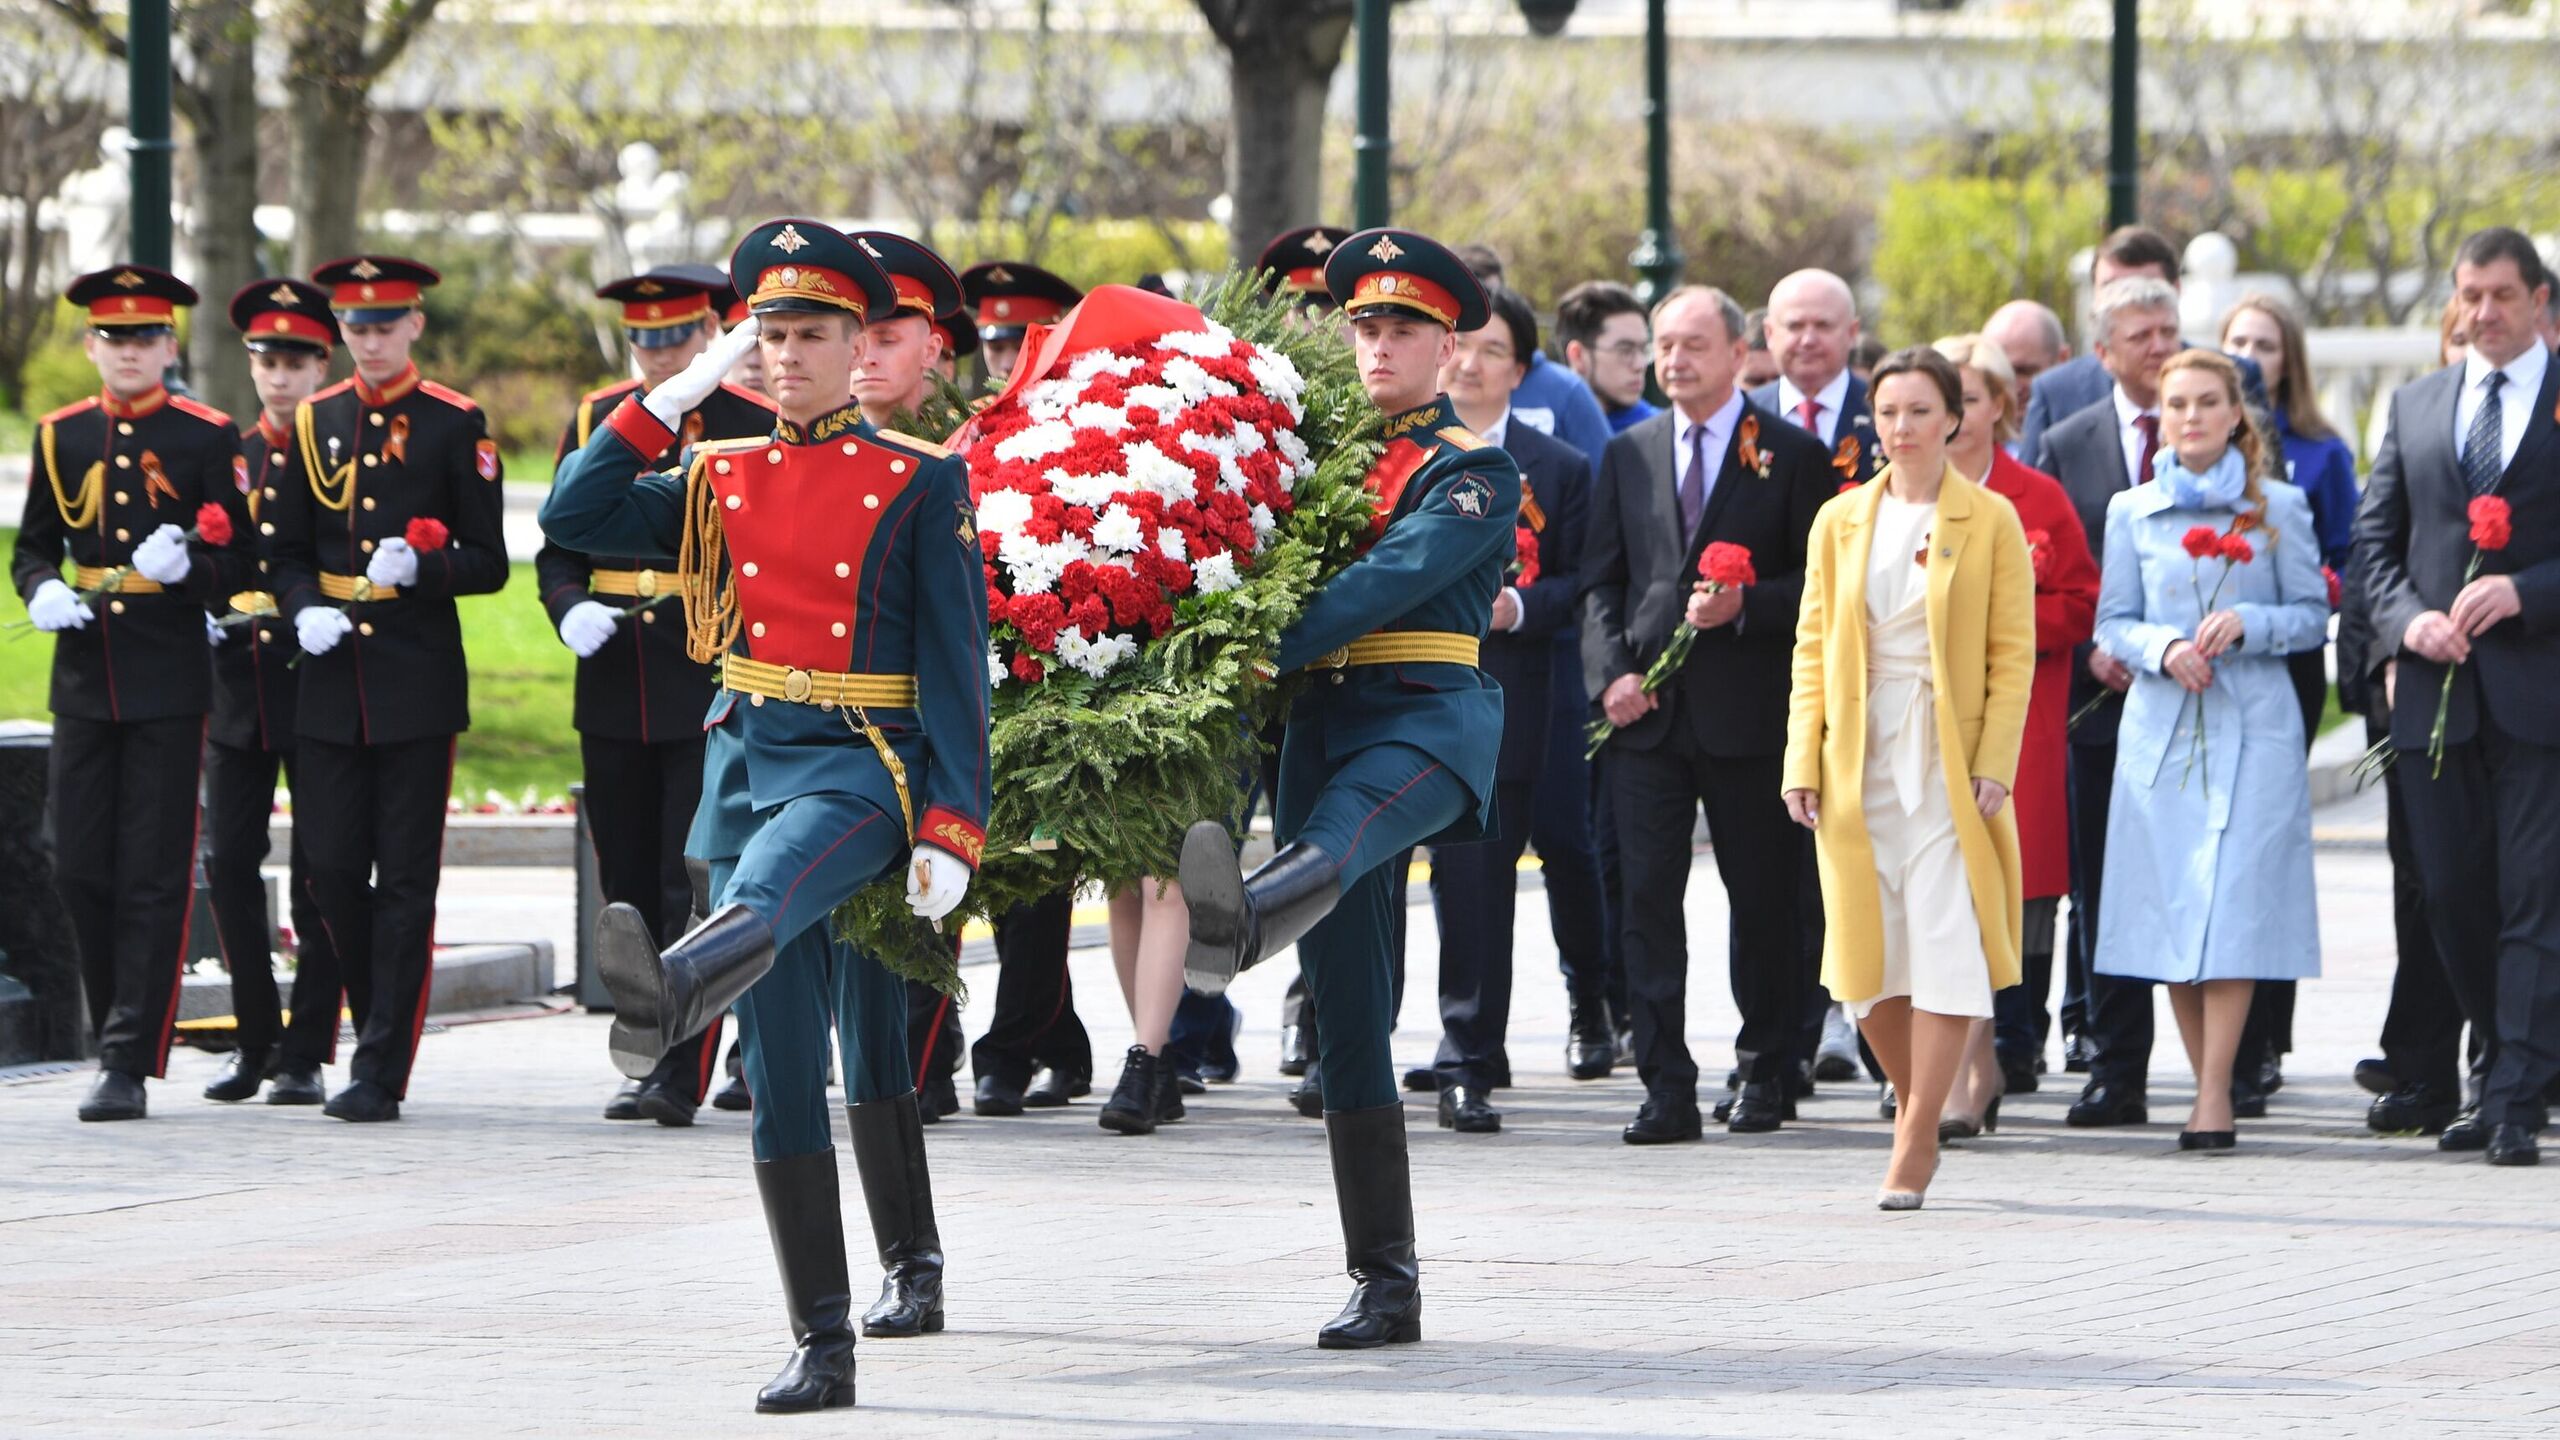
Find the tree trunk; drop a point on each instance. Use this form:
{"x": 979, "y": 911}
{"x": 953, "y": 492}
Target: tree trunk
{"x": 222, "y": 35}
{"x": 327, "y": 89}
{"x": 1279, "y": 69}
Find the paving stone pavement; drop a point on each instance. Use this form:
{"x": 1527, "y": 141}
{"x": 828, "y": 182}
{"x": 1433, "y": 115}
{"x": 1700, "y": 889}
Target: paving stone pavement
{"x": 504, "y": 1262}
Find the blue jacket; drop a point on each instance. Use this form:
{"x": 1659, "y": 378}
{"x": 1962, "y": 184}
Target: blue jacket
{"x": 1523, "y": 661}
{"x": 2325, "y": 472}
{"x": 902, "y": 567}
{"x": 1437, "y": 567}
{"x": 1555, "y": 401}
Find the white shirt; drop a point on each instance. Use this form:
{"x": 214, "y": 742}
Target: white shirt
{"x": 1831, "y": 397}
{"x": 1493, "y": 434}
{"x": 1719, "y": 434}
{"x": 2515, "y": 398}
{"x": 2129, "y": 434}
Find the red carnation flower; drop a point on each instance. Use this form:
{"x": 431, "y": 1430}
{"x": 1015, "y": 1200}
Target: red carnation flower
{"x": 2236, "y": 549}
{"x": 2040, "y": 554}
{"x": 213, "y": 525}
{"x": 2492, "y": 523}
{"x": 1029, "y": 670}
{"x": 2337, "y": 591}
{"x": 1727, "y": 565}
{"x": 2202, "y": 542}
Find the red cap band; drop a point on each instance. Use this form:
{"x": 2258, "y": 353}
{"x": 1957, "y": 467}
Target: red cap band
{"x": 287, "y": 325}
{"x": 1395, "y": 287}
{"x": 374, "y": 295}
{"x": 808, "y": 282}
{"x": 133, "y": 310}
{"x": 659, "y": 314}
{"x": 1017, "y": 310}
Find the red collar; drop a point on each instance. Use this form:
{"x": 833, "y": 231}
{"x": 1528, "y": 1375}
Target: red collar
{"x": 402, "y": 384}
{"x": 135, "y": 409}
{"x": 268, "y": 432}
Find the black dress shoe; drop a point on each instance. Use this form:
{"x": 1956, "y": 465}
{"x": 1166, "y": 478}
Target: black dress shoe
{"x": 625, "y": 1104}
{"x": 997, "y": 1096}
{"x": 1308, "y": 1098}
{"x": 295, "y": 1085}
{"x": 1464, "y": 1109}
{"x": 1293, "y": 1050}
{"x": 2107, "y": 1103}
{"x": 242, "y": 1072}
{"x": 114, "y": 1095}
{"x": 1760, "y": 1108}
{"x": 2375, "y": 1077}
{"x": 2248, "y": 1102}
{"x": 1051, "y": 1089}
{"x": 2018, "y": 1078}
{"x": 733, "y": 1096}
{"x": 941, "y": 1095}
{"x": 2271, "y": 1075}
{"x": 2208, "y": 1139}
{"x": 2419, "y": 1109}
{"x": 363, "y": 1103}
{"x": 2466, "y": 1131}
{"x": 667, "y": 1105}
{"x": 2512, "y": 1144}
{"x": 1963, "y": 1127}
{"x": 1186, "y": 1082}
{"x": 1664, "y": 1122}
{"x": 1422, "y": 1080}
{"x": 1589, "y": 1051}
{"x": 2076, "y": 1053}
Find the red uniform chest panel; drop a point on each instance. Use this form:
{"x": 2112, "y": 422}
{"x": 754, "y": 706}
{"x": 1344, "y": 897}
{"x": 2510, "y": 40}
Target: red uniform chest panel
{"x": 1387, "y": 479}
{"x": 800, "y": 520}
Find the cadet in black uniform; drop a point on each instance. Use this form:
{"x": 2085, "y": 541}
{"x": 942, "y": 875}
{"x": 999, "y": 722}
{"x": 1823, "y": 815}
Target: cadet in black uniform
{"x": 388, "y": 506}
{"x": 640, "y": 698}
{"x": 122, "y": 487}
{"x": 289, "y": 333}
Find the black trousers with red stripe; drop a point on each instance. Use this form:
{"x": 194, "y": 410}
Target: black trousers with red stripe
{"x": 640, "y": 800}
{"x": 240, "y": 796}
{"x": 122, "y": 798}
{"x": 373, "y": 818}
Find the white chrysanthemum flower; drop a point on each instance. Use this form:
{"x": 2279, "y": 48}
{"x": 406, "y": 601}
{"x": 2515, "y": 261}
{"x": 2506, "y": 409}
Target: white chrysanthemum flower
{"x": 1166, "y": 401}
{"x": 1170, "y": 541}
{"x": 1093, "y": 415}
{"x": 995, "y": 669}
{"x": 1050, "y": 399}
{"x": 1119, "y": 531}
{"x": 1274, "y": 376}
{"x": 1195, "y": 383}
{"x": 1034, "y": 442}
{"x": 1003, "y": 512}
{"x": 1263, "y": 523}
{"x": 1216, "y": 573}
{"x": 1091, "y": 491}
{"x": 1301, "y": 464}
{"x": 1095, "y": 657}
{"x": 1152, "y": 470}
{"x": 1068, "y": 548}
{"x": 1216, "y": 340}
{"x": 1101, "y": 362}
{"x": 1029, "y": 563}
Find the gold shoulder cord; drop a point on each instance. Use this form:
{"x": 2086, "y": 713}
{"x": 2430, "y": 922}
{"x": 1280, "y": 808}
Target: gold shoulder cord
{"x": 586, "y": 422}
{"x": 859, "y": 720}
{"x": 78, "y": 511}
{"x": 323, "y": 484}
{"x": 702, "y": 572}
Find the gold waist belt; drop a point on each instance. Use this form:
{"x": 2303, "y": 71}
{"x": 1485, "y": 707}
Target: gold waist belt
{"x": 355, "y": 588}
{"x": 125, "y": 581}
{"x": 638, "y": 584}
{"x": 816, "y": 687}
{"x": 1405, "y": 647}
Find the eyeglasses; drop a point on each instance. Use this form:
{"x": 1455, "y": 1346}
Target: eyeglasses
{"x": 1626, "y": 352}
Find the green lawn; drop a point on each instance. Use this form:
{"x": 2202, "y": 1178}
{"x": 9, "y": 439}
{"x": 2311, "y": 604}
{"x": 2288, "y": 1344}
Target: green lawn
{"x": 520, "y": 691}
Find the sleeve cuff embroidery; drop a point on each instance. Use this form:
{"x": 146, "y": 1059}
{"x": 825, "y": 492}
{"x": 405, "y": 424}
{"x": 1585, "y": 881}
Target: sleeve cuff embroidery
{"x": 633, "y": 425}
{"x": 954, "y": 832}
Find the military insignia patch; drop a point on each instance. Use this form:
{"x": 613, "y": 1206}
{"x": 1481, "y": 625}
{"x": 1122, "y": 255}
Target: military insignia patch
{"x": 488, "y": 459}
{"x": 283, "y": 295}
{"x": 1472, "y": 497}
{"x": 650, "y": 287}
{"x": 968, "y": 527}
{"x": 128, "y": 279}
{"x": 790, "y": 241}
{"x": 365, "y": 270}
{"x": 1385, "y": 250}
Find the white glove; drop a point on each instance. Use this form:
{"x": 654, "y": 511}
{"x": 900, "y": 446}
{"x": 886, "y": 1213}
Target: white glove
{"x": 674, "y": 397}
{"x": 319, "y": 629}
{"x": 935, "y": 882}
{"x": 394, "y": 564}
{"x": 56, "y": 607}
{"x": 162, "y": 556}
{"x": 213, "y": 631}
{"x": 587, "y": 626}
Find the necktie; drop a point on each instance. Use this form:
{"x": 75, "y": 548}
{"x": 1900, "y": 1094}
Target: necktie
{"x": 1808, "y": 415}
{"x": 2483, "y": 447}
{"x": 1693, "y": 485}
{"x": 2149, "y": 425}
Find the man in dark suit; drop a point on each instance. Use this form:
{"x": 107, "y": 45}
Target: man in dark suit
{"x": 1475, "y": 887}
{"x": 2076, "y": 384}
{"x": 2472, "y": 631}
{"x": 1813, "y": 328}
{"x": 1716, "y": 468}
{"x": 2105, "y": 448}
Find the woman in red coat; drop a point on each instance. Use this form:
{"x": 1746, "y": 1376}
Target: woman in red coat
{"x": 2066, "y": 612}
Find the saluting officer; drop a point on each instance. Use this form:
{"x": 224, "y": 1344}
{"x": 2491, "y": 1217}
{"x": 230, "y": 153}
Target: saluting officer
{"x": 120, "y": 486}
{"x": 1394, "y": 747}
{"x": 832, "y": 571}
{"x": 289, "y": 333}
{"x": 1010, "y": 296}
{"x": 387, "y": 508}
{"x": 640, "y": 699}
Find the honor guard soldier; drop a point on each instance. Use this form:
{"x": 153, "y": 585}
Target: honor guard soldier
{"x": 640, "y": 699}
{"x": 1035, "y": 1035}
{"x": 139, "y": 490}
{"x": 1393, "y": 746}
{"x": 1294, "y": 261}
{"x": 290, "y": 334}
{"x": 831, "y": 571}
{"x": 387, "y": 508}
{"x": 959, "y": 341}
{"x": 1008, "y": 297}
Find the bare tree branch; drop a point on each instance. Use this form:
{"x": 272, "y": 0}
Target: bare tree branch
{"x": 401, "y": 22}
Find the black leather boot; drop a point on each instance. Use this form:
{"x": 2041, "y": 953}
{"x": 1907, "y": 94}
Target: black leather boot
{"x": 114, "y": 1095}
{"x": 888, "y": 1154}
{"x": 801, "y": 1213}
{"x": 1374, "y": 1190}
{"x": 662, "y": 1000}
{"x": 1238, "y": 919}
{"x": 243, "y": 1071}
{"x": 1590, "y": 1052}
{"x": 1135, "y": 1101}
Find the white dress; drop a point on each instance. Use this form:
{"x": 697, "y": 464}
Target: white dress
{"x": 1932, "y": 943}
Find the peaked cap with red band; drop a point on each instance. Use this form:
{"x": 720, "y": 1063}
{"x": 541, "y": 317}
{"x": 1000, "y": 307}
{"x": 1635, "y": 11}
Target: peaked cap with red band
{"x": 924, "y": 280}
{"x": 666, "y": 305}
{"x": 281, "y": 314}
{"x": 131, "y": 300}
{"x": 1391, "y": 269}
{"x": 371, "y": 289}
{"x": 1009, "y": 295}
{"x": 1295, "y": 261}
{"x": 806, "y": 265}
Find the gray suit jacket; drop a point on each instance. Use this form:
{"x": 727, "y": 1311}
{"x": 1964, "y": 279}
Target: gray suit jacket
{"x": 2081, "y": 381}
{"x": 2086, "y": 454}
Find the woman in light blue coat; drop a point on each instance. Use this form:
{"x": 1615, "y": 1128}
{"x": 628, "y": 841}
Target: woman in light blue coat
{"x": 2208, "y": 878}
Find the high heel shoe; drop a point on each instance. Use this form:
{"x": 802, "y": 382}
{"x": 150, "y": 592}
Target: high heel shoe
{"x": 2208, "y": 1140}
{"x": 1957, "y": 1127}
{"x": 1899, "y": 1199}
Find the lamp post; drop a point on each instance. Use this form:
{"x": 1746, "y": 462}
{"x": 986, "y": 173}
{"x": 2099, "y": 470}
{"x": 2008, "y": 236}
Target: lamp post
{"x": 147, "y": 100}
{"x": 1371, "y": 148}
{"x": 1657, "y": 254}
{"x": 2124, "y": 130}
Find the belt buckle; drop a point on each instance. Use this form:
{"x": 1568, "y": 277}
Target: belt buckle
{"x": 361, "y": 591}
{"x": 645, "y": 584}
{"x": 1338, "y": 659}
{"x": 795, "y": 685}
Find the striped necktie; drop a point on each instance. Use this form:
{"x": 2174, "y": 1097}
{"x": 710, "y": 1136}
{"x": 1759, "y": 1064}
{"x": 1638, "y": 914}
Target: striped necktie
{"x": 2482, "y": 449}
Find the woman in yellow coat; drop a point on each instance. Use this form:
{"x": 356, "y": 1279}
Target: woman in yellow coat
{"x": 1915, "y": 652}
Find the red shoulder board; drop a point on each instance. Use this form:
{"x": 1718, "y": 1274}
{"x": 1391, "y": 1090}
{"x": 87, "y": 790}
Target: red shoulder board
{"x": 743, "y": 393}
{"x": 327, "y": 391}
{"x": 199, "y": 409}
{"x": 67, "y": 411}
{"x": 609, "y": 392}
{"x": 448, "y": 395}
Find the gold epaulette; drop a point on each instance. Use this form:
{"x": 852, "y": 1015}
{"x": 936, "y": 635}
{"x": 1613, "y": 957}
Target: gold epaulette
{"x": 1460, "y": 436}
{"x": 921, "y": 447}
